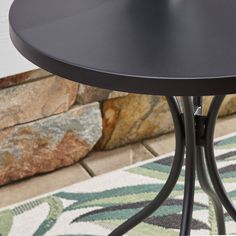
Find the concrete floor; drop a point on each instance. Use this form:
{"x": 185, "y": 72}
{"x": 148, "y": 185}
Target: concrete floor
{"x": 98, "y": 163}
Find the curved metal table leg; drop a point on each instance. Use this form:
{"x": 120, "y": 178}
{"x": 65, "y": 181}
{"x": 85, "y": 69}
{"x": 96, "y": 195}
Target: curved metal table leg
{"x": 202, "y": 172}
{"x": 190, "y": 142}
{"x": 173, "y": 176}
{"x": 207, "y": 188}
{"x": 210, "y": 157}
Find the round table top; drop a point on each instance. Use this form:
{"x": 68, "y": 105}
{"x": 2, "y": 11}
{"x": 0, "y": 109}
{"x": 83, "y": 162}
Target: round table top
{"x": 163, "y": 47}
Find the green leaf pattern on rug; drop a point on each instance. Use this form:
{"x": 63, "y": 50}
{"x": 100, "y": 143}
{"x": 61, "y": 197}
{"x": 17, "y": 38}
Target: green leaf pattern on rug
{"x": 172, "y": 208}
{"x": 56, "y": 208}
{"x": 110, "y": 205}
{"x": 227, "y": 143}
{"x": 95, "y": 197}
{"x": 115, "y": 196}
{"x": 6, "y": 220}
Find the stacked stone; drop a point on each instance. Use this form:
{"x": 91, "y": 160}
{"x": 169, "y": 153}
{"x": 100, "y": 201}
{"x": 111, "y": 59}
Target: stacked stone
{"x": 47, "y": 122}
{"x": 42, "y": 127}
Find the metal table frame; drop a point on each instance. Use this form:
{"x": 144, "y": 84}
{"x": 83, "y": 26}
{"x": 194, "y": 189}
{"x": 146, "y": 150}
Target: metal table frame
{"x": 152, "y": 47}
{"x": 195, "y": 133}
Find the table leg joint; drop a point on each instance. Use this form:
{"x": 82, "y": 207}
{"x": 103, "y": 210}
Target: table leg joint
{"x": 200, "y": 129}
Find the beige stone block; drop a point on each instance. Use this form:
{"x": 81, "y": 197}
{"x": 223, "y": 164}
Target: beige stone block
{"x": 228, "y": 106}
{"x": 100, "y": 162}
{"x": 162, "y": 144}
{"x": 35, "y": 100}
{"x": 133, "y": 118}
{"x": 41, "y": 184}
{"x": 49, "y": 143}
{"x": 225, "y": 126}
{"x": 23, "y": 77}
{"x": 88, "y": 94}
{"x": 138, "y": 117}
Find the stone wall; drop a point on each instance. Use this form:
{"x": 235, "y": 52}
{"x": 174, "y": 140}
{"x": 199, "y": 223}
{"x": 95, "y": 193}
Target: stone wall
{"x": 47, "y": 122}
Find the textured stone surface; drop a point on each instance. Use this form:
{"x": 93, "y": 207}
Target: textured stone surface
{"x": 228, "y": 107}
{"x": 23, "y": 77}
{"x": 133, "y": 118}
{"x": 136, "y": 117}
{"x": 88, "y": 94}
{"x": 35, "y": 100}
{"x": 225, "y": 125}
{"x": 49, "y": 143}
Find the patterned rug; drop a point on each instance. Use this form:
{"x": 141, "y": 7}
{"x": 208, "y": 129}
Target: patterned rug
{"x": 98, "y": 205}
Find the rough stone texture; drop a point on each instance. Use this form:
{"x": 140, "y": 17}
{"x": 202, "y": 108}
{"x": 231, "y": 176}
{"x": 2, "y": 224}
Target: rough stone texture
{"x": 133, "y": 118}
{"x": 88, "y": 94}
{"x": 136, "y": 117}
{"x": 35, "y": 100}
{"x": 49, "y": 143}
{"x": 23, "y": 77}
{"x": 228, "y": 107}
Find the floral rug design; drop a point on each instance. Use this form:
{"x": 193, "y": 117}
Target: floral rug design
{"x": 98, "y": 205}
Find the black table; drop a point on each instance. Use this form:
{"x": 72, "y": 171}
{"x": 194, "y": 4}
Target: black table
{"x": 165, "y": 47}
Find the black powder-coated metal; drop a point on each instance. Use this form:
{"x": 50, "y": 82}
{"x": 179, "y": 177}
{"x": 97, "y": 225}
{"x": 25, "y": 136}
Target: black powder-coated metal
{"x": 203, "y": 178}
{"x": 202, "y": 171}
{"x": 210, "y": 157}
{"x": 189, "y": 185}
{"x": 164, "y": 47}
